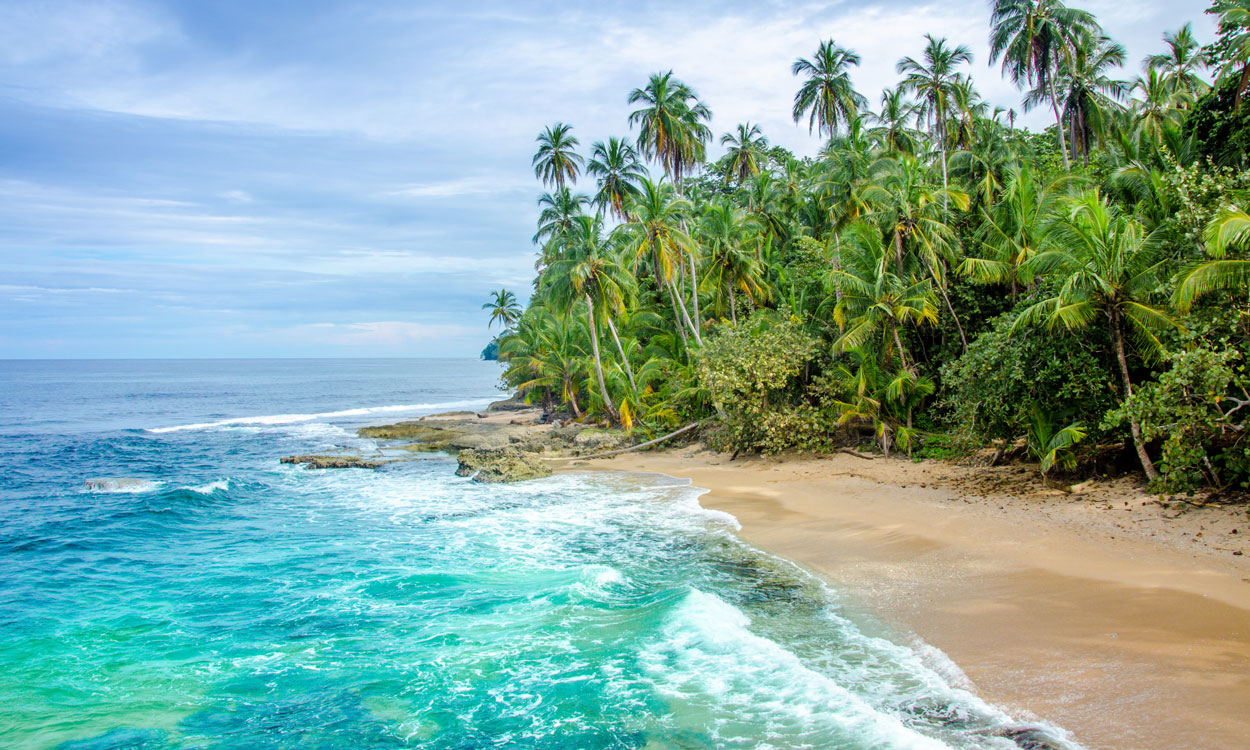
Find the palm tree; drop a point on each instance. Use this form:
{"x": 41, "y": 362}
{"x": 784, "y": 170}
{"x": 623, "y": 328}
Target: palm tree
{"x": 727, "y": 233}
{"x": 746, "y": 150}
{"x": 546, "y": 353}
{"x": 873, "y": 300}
{"x": 1182, "y": 64}
{"x": 1014, "y": 230}
{"x": 1032, "y": 37}
{"x": 1235, "y": 30}
{"x": 910, "y": 211}
{"x": 618, "y": 171}
{"x": 827, "y": 94}
{"x": 1103, "y": 266}
{"x": 1090, "y": 94}
{"x": 557, "y": 161}
{"x": 1160, "y": 107}
{"x": 1230, "y": 229}
{"x": 589, "y": 272}
{"x": 670, "y": 124}
{"x": 557, "y": 213}
{"x": 892, "y": 128}
{"x": 654, "y": 231}
{"x": 934, "y": 81}
{"x": 503, "y": 307}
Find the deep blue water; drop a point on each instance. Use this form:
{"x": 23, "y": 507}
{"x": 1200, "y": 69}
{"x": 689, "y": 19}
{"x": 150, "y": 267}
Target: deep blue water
{"x": 229, "y": 601}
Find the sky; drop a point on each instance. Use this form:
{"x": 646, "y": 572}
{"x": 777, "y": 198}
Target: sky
{"x": 300, "y": 178}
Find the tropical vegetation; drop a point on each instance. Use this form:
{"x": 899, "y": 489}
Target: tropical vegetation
{"x": 937, "y": 278}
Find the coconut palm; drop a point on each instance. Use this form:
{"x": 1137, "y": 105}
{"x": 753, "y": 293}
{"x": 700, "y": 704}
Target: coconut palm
{"x": 747, "y": 150}
{"x": 557, "y": 161}
{"x": 1033, "y": 37}
{"x": 892, "y": 126}
{"x": 912, "y": 214}
{"x": 874, "y": 301}
{"x": 728, "y": 234}
{"x": 1160, "y": 106}
{"x": 1103, "y": 267}
{"x": 617, "y": 170}
{"x": 655, "y": 232}
{"x": 671, "y": 127}
{"x": 934, "y": 80}
{"x": 545, "y": 354}
{"x": 1235, "y": 30}
{"x": 557, "y": 212}
{"x": 1228, "y": 230}
{"x": 1014, "y": 230}
{"x": 1089, "y": 93}
{"x": 827, "y": 97}
{"x": 589, "y": 273}
{"x": 503, "y": 307}
{"x": 1182, "y": 64}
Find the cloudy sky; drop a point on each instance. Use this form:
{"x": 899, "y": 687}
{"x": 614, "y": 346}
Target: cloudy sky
{"x": 308, "y": 178}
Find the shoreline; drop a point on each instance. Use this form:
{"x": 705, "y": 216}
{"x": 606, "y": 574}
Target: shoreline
{"x": 1053, "y": 607}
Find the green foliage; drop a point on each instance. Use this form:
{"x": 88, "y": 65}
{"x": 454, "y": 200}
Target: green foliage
{"x": 491, "y": 350}
{"x": 1221, "y": 129}
{"x": 991, "y": 391}
{"x": 753, "y": 373}
{"x": 1200, "y": 409}
{"x": 1051, "y": 444}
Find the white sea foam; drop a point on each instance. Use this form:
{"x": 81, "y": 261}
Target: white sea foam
{"x": 281, "y": 419}
{"x": 122, "y": 485}
{"x": 221, "y": 485}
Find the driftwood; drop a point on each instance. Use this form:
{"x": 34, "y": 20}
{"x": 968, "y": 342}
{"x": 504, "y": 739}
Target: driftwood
{"x": 631, "y": 448}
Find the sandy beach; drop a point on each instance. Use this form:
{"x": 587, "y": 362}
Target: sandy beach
{"x": 1126, "y": 622}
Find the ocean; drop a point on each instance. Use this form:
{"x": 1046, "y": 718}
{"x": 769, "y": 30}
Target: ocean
{"x": 220, "y": 599}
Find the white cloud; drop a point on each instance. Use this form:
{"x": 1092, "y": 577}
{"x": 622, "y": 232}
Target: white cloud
{"x": 385, "y": 333}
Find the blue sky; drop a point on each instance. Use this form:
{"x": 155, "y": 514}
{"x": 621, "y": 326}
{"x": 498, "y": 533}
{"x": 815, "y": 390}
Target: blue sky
{"x": 307, "y": 178}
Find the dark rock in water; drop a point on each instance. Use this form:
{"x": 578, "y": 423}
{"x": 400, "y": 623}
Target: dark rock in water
{"x": 1031, "y": 738}
{"x": 313, "y": 461}
{"x": 500, "y": 465}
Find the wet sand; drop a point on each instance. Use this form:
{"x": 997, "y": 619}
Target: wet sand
{"x": 1088, "y": 612}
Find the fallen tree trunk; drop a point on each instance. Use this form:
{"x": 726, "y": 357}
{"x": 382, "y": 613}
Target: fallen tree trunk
{"x": 638, "y": 447}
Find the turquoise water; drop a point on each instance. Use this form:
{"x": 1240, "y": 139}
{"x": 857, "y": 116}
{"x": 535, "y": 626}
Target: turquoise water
{"x": 229, "y": 601}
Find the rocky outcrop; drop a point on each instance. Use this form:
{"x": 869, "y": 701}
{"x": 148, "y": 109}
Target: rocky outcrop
{"x": 500, "y": 465}
{"x": 329, "y": 461}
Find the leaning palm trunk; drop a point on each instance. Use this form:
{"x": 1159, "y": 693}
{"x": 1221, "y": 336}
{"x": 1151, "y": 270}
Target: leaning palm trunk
{"x": 594, "y": 345}
{"x": 685, "y": 314}
{"x": 629, "y": 371}
{"x": 1117, "y": 336}
{"x": 694, "y": 294}
{"x": 958, "y": 326}
{"x": 662, "y": 282}
{"x": 733, "y": 307}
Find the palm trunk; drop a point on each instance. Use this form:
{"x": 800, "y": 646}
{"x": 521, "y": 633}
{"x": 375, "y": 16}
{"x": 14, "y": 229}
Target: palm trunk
{"x": 733, "y": 307}
{"x": 681, "y": 304}
{"x": 1117, "y": 337}
{"x": 577, "y": 412}
{"x": 898, "y": 251}
{"x": 1054, "y": 104}
{"x": 898, "y": 342}
{"x": 594, "y": 345}
{"x": 694, "y": 294}
{"x": 666, "y": 286}
{"x": 958, "y": 326}
{"x": 629, "y": 371}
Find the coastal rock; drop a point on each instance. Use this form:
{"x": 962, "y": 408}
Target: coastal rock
{"x": 500, "y": 465}
{"x": 416, "y": 431}
{"x": 314, "y": 461}
{"x": 516, "y": 403}
{"x": 596, "y": 441}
